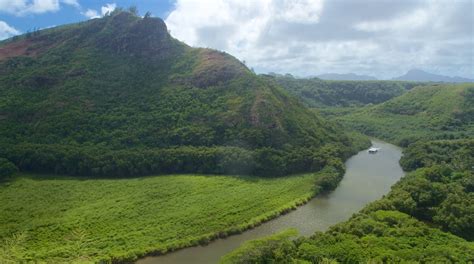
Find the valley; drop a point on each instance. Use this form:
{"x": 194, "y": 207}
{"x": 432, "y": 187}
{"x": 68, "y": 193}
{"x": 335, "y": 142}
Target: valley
{"x": 362, "y": 183}
{"x": 427, "y": 215}
{"x": 120, "y": 143}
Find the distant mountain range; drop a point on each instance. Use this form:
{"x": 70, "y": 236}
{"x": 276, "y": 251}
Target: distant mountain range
{"x": 422, "y": 76}
{"x": 345, "y": 77}
{"x": 412, "y": 75}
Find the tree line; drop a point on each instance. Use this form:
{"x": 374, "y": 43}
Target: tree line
{"x": 96, "y": 161}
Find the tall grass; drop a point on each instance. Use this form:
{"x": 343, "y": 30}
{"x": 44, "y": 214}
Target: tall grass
{"x": 88, "y": 220}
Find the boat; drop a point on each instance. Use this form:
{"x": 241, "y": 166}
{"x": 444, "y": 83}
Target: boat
{"x": 373, "y": 150}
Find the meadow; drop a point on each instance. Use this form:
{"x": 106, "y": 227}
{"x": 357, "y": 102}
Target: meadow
{"x": 61, "y": 219}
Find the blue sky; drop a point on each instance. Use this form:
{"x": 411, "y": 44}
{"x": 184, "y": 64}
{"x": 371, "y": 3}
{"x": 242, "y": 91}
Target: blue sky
{"x": 381, "y": 38}
{"x": 70, "y": 13}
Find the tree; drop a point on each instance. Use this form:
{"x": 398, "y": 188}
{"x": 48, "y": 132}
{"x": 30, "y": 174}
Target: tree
{"x": 7, "y": 168}
{"x": 133, "y": 10}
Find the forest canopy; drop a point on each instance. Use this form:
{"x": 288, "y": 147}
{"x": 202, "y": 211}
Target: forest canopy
{"x": 121, "y": 97}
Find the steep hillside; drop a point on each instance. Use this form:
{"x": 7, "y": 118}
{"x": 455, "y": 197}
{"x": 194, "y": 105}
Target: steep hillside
{"x": 428, "y": 112}
{"x": 119, "y": 96}
{"x": 319, "y": 93}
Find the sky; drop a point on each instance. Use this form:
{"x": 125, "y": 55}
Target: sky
{"x": 381, "y": 38}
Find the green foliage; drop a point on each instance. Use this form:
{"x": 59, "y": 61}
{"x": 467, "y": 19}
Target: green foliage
{"x": 436, "y": 194}
{"x": 434, "y": 112}
{"x": 7, "y": 168}
{"x": 319, "y": 93}
{"x": 277, "y": 246}
{"x": 99, "y": 161}
{"x": 375, "y": 237}
{"x": 87, "y": 220}
{"x": 390, "y": 230}
{"x": 457, "y": 154}
{"x": 330, "y": 177}
{"x": 428, "y": 214}
{"x": 103, "y": 96}
{"x": 12, "y": 248}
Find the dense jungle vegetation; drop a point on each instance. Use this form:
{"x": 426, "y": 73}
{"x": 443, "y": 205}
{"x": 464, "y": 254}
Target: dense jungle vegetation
{"x": 118, "y": 96}
{"x": 428, "y": 215}
{"x": 433, "y": 112}
{"x": 319, "y": 93}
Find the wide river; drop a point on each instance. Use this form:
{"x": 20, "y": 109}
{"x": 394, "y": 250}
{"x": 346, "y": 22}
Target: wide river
{"x": 368, "y": 177}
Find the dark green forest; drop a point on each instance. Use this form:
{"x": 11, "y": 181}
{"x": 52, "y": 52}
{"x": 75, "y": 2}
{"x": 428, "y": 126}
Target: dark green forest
{"x": 318, "y": 93}
{"x": 118, "y": 96}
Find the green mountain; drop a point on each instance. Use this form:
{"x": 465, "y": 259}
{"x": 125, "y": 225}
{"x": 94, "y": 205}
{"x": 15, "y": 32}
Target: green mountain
{"x": 315, "y": 92}
{"x": 119, "y": 96}
{"x": 428, "y": 112}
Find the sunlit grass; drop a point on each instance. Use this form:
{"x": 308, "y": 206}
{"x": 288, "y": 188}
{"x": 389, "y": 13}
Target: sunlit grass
{"x": 71, "y": 219}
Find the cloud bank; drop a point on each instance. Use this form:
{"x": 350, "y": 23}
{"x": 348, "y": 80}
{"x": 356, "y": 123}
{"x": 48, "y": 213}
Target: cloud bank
{"x": 24, "y": 7}
{"x": 384, "y": 38}
{"x": 7, "y": 31}
{"x": 91, "y": 13}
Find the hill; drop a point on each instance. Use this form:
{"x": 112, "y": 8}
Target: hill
{"x": 422, "y": 76}
{"x": 319, "y": 93}
{"x": 346, "y": 77}
{"x": 443, "y": 111}
{"x": 119, "y": 96}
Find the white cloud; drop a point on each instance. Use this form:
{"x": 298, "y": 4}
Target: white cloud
{"x": 91, "y": 13}
{"x": 23, "y": 7}
{"x": 237, "y": 22}
{"x": 12, "y": 6}
{"x": 108, "y": 8}
{"x": 7, "y": 31}
{"x": 42, "y": 6}
{"x": 310, "y": 37}
{"x": 301, "y": 11}
{"x": 74, "y": 3}
{"x": 411, "y": 21}
{"x": 104, "y": 10}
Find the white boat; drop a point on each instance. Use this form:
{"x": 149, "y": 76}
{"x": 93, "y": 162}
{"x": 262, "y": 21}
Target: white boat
{"x": 373, "y": 150}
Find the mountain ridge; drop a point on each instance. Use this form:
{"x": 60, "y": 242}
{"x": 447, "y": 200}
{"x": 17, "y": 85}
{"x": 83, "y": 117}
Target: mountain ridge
{"x": 110, "y": 90}
{"x": 423, "y": 76}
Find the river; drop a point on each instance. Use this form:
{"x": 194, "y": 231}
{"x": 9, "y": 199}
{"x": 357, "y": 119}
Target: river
{"x": 368, "y": 177}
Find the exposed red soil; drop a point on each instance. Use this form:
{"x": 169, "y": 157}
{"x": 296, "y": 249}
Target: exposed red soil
{"x": 17, "y": 48}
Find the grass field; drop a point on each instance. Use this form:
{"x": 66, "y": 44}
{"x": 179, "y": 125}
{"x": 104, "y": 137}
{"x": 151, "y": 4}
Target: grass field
{"x": 80, "y": 220}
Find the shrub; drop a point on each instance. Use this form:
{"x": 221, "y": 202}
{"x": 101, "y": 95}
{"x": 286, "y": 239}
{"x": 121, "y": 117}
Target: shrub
{"x": 7, "y": 168}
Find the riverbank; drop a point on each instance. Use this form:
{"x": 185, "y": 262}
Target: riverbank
{"x": 362, "y": 183}
{"x": 56, "y": 219}
{"x": 427, "y": 217}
